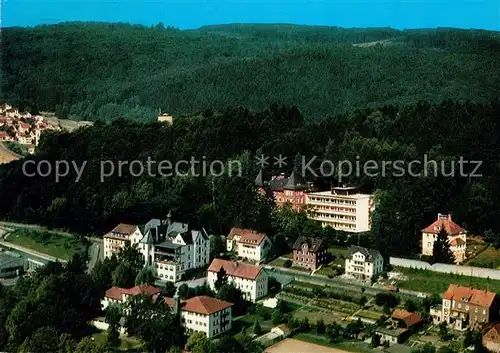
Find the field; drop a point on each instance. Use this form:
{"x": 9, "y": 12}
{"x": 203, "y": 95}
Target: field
{"x": 369, "y": 314}
{"x": 7, "y": 155}
{"x": 45, "y": 242}
{"x": 437, "y": 283}
{"x": 489, "y": 258}
{"x": 127, "y": 344}
{"x": 291, "y": 345}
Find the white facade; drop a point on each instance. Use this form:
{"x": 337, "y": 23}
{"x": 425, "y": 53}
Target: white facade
{"x": 457, "y": 237}
{"x": 251, "y": 246}
{"x": 210, "y": 324}
{"x": 253, "y": 282}
{"x": 363, "y": 263}
{"x": 342, "y": 208}
{"x": 119, "y": 237}
{"x": 173, "y": 248}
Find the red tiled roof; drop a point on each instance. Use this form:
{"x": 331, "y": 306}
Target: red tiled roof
{"x": 410, "y": 319}
{"x": 142, "y": 289}
{"x": 444, "y": 222}
{"x": 116, "y": 292}
{"x": 235, "y": 269}
{"x": 457, "y": 242}
{"x": 24, "y": 125}
{"x": 4, "y": 134}
{"x": 248, "y": 236}
{"x": 205, "y": 305}
{"x": 122, "y": 228}
{"x": 470, "y": 295}
{"x": 495, "y": 326}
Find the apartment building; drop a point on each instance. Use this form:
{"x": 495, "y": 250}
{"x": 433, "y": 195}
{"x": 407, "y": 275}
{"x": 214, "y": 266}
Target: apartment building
{"x": 173, "y": 248}
{"x": 465, "y": 307}
{"x": 457, "y": 237}
{"x": 250, "y": 279}
{"x": 203, "y": 314}
{"x": 342, "y": 208}
{"x": 309, "y": 253}
{"x": 117, "y": 295}
{"x": 121, "y": 235}
{"x": 248, "y": 244}
{"x": 363, "y": 263}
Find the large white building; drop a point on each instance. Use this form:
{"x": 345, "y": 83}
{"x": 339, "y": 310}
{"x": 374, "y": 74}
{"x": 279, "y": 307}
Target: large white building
{"x": 343, "y": 208}
{"x": 203, "y": 314}
{"x": 171, "y": 248}
{"x": 250, "y": 279}
{"x": 363, "y": 263}
{"x": 249, "y": 244}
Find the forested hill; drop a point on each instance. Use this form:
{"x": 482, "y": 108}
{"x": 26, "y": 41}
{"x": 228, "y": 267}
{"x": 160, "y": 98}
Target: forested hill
{"x": 106, "y": 71}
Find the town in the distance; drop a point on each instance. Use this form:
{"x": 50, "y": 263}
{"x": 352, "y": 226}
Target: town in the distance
{"x": 295, "y": 288}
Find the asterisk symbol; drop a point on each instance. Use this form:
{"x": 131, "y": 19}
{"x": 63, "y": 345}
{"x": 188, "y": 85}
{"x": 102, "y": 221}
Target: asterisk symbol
{"x": 262, "y": 160}
{"x": 280, "y": 161}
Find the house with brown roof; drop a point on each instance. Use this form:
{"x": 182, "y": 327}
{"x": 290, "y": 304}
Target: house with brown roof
{"x": 465, "y": 307}
{"x": 491, "y": 338}
{"x": 407, "y": 320}
{"x": 457, "y": 237}
{"x": 248, "y": 244}
{"x": 117, "y": 295}
{"x": 309, "y": 253}
{"x": 121, "y": 235}
{"x": 252, "y": 280}
{"x": 203, "y": 314}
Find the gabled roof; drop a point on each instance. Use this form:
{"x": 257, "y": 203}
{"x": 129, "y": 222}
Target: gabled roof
{"x": 495, "y": 326}
{"x": 469, "y": 295}
{"x": 444, "y": 221}
{"x": 295, "y": 182}
{"x": 247, "y": 236}
{"x": 258, "y": 180}
{"x": 457, "y": 242}
{"x": 205, "y": 305}
{"x": 235, "y": 269}
{"x": 313, "y": 244}
{"x": 116, "y": 292}
{"x": 409, "y": 318}
{"x": 370, "y": 254}
{"x": 123, "y": 228}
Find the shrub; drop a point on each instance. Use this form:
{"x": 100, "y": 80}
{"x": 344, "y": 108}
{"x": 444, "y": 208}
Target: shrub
{"x": 287, "y": 264}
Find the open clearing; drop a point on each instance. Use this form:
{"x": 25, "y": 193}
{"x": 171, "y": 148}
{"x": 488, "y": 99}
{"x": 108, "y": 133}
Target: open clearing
{"x": 291, "y": 345}
{"x": 7, "y": 155}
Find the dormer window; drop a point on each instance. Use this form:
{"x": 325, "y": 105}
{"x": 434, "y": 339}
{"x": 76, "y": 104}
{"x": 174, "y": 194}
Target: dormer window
{"x": 438, "y": 228}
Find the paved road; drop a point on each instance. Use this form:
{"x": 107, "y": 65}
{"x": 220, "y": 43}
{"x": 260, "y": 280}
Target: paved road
{"x": 94, "y": 255}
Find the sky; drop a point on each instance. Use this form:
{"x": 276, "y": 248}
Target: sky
{"x": 190, "y": 14}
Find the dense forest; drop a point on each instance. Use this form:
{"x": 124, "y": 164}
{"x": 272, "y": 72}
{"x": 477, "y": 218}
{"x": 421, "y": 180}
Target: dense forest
{"x": 109, "y": 71}
{"x": 445, "y": 133}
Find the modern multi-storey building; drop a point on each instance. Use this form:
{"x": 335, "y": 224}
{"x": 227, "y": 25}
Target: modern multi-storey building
{"x": 203, "y": 314}
{"x": 342, "y": 208}
{"x": 465, "y": 307}
{"x": 309, "y": 253}
{"x": 250, "y": 279}
{"x": 363, "y": 263}
{"x": 172, "y": 248}
{"x": 457, "y": 237}
{"x": 248, "y": 244}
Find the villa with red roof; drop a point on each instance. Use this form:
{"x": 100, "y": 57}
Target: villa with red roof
{"x": 120, "y": 236}
{"x": 250, "y": 279}
{"x": 121, "y": 295}
{"x": 248, "y": 244}
{"x": 457, "y": 237}
{"x": 203, "y": 314}
{"x": 465, "y": 307}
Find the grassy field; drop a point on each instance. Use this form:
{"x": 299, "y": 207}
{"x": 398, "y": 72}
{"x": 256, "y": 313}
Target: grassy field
{"x": 373, "y": 315}
{"x": 47, "y": 243}
{"x": 359, "y": 347}
{"x": 127, "y": 344}
{"x": 489, "y": 258}
{"x": 435, "y": 282}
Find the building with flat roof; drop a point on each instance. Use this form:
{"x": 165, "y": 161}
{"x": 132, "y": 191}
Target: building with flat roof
{"x": 342, "y": 208}
{"x": 10, "y": 265}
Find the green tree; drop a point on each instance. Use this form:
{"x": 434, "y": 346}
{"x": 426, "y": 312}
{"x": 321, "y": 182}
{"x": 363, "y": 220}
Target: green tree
{"x": 88, "y": 345}
{"x": 124, "y": 275}
{"x": 45, "y": 339}
{"x": 66, "y": 344}
{"x": 231, "y": 294}
{"x": 441, "y": 252}
{"x": 145, "y": 275}
{"x": 320, "y": 327}
{"x": 113, "y": 316}
{"x": 375, "y": 340}
{"x": 221, "y": 279}
{"x": 256, "y": 328}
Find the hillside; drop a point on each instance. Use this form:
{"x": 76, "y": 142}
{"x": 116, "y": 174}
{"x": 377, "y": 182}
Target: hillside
{"x": 106, "y": 71}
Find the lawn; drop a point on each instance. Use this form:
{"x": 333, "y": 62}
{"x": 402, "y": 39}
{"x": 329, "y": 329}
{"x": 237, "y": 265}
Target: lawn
{"x": 340, "y": 255}
{"x": 47, "y": 243}
{"x": 437, "y": 283}
{"x": 368, "y": 314}
{"x": 128, "y": 344}
{"x": 359, "y": 347}
{"x": 489, "y": 258}
{"x": 313, "y": 315}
